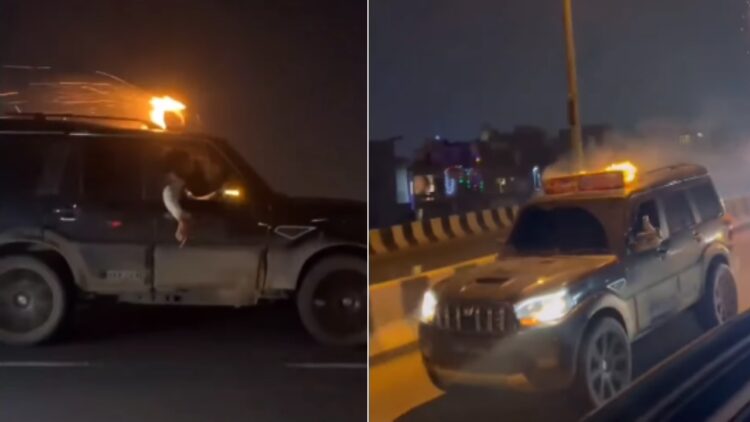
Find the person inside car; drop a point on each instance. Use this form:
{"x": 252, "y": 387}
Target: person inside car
{"x": 185, "y": 178}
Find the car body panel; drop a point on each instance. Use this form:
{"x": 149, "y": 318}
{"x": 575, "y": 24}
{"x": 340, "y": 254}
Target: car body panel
{"x": 237, "y": 250}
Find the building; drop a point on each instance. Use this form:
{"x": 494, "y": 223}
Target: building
{"x": 389, "y": 198}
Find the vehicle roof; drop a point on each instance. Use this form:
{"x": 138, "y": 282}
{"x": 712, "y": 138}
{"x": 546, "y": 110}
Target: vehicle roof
{"x": 35, "y": 123}
{"x": 647, "y": 181}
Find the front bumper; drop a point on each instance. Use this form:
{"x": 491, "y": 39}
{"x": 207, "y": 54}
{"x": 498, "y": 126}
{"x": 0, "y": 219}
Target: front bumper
{"x": 538, "y": 359}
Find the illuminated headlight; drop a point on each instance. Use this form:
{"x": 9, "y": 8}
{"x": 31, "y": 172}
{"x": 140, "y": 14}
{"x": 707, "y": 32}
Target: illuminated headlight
{"x": 429, "y": 305}
{"x": 544, "y": 309}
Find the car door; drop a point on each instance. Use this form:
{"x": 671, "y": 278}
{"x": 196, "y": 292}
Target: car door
{"x": 221, "y": 261}
{"x": 646, "y": 273}
{"x": 710, "y": 228}
{"x": 684, "y": 248}
{"x": 104, "y": 224}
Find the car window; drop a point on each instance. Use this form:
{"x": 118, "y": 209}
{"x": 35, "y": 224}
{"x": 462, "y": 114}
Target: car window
{"x": 112, "y": 170}
{"x": 646, "y": 209}
{"x": 31, "y": 166}
{"x": 563, "y": 230}
{"x": 706, "y": 200}
{"x": 679, "y": 214}
{"x": 211, "y": 169}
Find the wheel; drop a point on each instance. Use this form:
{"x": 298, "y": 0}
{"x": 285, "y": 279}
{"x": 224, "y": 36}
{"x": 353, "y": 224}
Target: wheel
{"x": 332, "y": 301}
{"x": 604, "y": 362}
{"x": 33, "y": 301}
{"x": 719, "y": 301}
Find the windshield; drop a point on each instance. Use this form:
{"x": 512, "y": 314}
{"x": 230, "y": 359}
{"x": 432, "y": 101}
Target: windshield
{"x": 567, "y": 228}
{"x": 559, "y": 230}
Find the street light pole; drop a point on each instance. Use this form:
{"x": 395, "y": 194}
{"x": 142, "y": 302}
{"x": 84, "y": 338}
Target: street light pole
{"x": 574, "y": 113}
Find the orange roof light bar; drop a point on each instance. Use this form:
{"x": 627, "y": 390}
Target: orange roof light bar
{"x": 592, "y": 182}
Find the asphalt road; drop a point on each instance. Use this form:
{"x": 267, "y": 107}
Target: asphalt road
{"x": 400, "y": 390}
{"x": 127, "y": 363}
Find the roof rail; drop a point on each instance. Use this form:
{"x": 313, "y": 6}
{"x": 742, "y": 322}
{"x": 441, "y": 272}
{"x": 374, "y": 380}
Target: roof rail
{"x": 66, "y": 116}
{"x": 678, "y": 166}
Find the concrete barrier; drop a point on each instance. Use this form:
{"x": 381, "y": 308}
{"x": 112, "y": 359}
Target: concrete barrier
{"x": 394, "y": 304}
{"x": 440, "y": 229}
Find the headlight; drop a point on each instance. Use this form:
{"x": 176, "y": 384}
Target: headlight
{"x": 429, "y": 304}
{"x": 544, "y": 309}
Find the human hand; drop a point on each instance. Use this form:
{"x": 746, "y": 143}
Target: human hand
{"x": 183, "y": 231}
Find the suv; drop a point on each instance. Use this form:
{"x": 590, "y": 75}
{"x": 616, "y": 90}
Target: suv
{"x": 588, "y": 268}
{"x": 81, "y": 217}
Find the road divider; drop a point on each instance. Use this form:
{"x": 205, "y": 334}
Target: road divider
{"x": 394, "y": 304}
{"x": 440, "y": 229}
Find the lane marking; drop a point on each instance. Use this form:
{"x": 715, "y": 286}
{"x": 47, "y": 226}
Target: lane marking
{"x": 43, "y": 364}
{"x": 328, "y": 365}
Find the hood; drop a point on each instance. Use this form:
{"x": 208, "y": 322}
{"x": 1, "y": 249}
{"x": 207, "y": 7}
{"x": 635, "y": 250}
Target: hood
{"x": 342, "y": 219}
{"x": 514, "y": 278}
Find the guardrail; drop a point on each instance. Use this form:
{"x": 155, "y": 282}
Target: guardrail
{"x": 435, "y": 230}
{"x": 394, "y": 303}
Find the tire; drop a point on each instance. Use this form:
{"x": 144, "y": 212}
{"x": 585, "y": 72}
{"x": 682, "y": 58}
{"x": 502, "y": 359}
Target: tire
{"x": 719, "y": 301}
{"x": 332, "y": 301}
{"x": 34, "y": 301}
{"x": 605, "y": 362}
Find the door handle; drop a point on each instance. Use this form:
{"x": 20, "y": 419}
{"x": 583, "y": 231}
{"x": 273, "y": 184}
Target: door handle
{"x": 66, "y": 214}
{"x": 697, "y": 236}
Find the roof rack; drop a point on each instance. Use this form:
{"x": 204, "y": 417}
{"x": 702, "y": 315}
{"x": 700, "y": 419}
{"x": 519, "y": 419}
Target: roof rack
{"x": 69, "y": 116}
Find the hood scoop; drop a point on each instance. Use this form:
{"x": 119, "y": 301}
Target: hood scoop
{"x": 492, "y": 280}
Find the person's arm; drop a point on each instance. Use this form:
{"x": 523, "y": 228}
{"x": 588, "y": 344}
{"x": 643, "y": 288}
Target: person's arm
{"x": 206, "y": 197}
{"x": 171, "y": 197}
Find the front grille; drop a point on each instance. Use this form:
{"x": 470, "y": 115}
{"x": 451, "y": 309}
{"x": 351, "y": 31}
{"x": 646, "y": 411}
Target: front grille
{"x": 477, "y": 318}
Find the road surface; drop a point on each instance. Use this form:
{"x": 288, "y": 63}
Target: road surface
{"x": 123, "y": 363}
{"x": 400, "y": 390}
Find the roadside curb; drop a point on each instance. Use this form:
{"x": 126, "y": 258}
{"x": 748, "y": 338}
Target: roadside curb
{"x": 440, "y": 229}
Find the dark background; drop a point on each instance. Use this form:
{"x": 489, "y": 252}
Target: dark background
{"x": 284, "y": 80}
{"x": 445, "y": 67}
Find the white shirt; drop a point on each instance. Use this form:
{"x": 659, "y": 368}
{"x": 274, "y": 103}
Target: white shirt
{"x": 171, "y": 196}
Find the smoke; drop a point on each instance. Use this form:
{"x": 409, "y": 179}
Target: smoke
{"x": 657, "y": 145}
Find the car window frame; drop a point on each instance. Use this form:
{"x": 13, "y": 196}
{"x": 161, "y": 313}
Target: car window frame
{"x": 152, "y": 170}
{"x": 694, "y": 202}
{"x": 684, "y": 191}
{"x": 641, "y": 199}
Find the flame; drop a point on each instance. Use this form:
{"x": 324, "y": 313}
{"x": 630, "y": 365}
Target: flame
{"x": 626, "y": 167}
{"x": 162, "y": 105}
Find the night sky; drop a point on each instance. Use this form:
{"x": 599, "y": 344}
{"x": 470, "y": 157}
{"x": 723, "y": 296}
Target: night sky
{"x": 284, "y": 80}
{"x": 446, "y": 67}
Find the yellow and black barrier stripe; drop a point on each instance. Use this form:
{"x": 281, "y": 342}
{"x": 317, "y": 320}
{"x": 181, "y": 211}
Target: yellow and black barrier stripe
{"x": 440, "y": 229}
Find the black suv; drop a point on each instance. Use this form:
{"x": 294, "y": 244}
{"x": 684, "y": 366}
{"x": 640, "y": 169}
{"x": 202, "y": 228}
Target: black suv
{"x": 588, "y": 268}
{"x": 81, "y": 216}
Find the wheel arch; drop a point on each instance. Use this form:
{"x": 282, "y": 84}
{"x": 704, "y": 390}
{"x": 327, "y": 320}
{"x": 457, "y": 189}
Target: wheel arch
{"x": 44, "y": 252}
{"x": 320, "y": 255}
{"x": 717, "y": 259}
